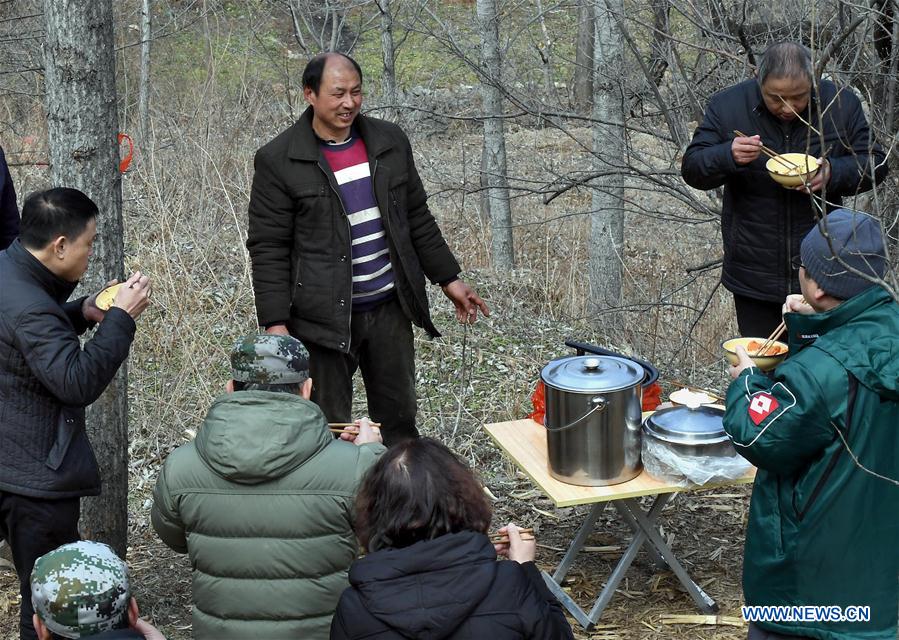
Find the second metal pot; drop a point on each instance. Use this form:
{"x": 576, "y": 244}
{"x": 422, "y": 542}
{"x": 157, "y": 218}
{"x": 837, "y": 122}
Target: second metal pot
{"x": 593, "y": 411}
{"x": 690, "y": 431}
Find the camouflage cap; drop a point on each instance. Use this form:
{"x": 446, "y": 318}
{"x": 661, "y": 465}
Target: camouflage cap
{"x": 81, "y": 589}
{"x": 269, "y": 359}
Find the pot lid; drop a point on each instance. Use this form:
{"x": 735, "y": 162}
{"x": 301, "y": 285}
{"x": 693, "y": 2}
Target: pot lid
{"x": 683, "y": 425}
{"x": 589, "y": 374}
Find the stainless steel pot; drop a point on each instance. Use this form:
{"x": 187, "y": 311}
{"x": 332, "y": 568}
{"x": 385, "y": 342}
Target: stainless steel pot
{"x": 688, "y": 446}
{"x": 593, "y": 415}
{"x": 690, "y": 432}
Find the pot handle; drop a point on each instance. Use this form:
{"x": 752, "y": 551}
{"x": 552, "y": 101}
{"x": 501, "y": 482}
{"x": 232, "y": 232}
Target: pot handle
{"x": 599, "y": 404}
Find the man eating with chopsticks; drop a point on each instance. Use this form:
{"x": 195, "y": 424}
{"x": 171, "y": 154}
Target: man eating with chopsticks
{"x": 787, "y": 109}
{"x": 262, "y": 500}
{"x": 824, "y": 519}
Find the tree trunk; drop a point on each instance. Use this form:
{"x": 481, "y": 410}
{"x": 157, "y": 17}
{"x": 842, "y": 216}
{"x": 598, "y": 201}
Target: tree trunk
{"x": 546, "y": 54}
{"x": 661, "y": 39}
{"x": 583, "y": 56}
{"x": 143, "y": 105}
{"x": 607, "y": 218}
{"x": 388, "y": 52}
{"x": 82, "y": 125}
{"x": 494, "y": 157}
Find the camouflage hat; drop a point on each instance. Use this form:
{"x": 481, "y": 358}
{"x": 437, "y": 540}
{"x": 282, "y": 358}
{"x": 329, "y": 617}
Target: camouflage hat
{"x": 81, "y": 589}
{"x": 269, "y": 359}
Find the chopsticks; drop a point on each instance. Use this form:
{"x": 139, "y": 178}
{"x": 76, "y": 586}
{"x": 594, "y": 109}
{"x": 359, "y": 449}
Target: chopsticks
{"x": 340, "y": 427}
{"x": 771, "y": 153}
{"x": 500, "y": 538}
{"x": 775, "y": 335}
{"x": 684, "y": 385}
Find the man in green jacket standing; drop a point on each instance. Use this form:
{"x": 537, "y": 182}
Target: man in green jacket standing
{"x": 262, "y": 501}
{"x": 822, "y": 543}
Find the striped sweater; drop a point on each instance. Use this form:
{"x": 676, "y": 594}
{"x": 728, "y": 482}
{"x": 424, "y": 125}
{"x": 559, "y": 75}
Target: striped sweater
{"x": 373, "y": 278}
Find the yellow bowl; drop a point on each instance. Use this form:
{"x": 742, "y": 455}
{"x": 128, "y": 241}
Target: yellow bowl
{"x": 806, "y": 168}
{"x": 107, "y": 296}
{"x": 765, "y": 363}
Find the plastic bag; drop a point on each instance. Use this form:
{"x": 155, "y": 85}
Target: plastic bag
{"x": 539, "y": 402}
{"x": 652, "y": 396}
{"x": 663, "y": 462}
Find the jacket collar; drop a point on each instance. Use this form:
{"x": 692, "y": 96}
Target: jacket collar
{"x": 805, "y": 329}
{"x": 304, "y": 143}
{"x": 57, "y": 287}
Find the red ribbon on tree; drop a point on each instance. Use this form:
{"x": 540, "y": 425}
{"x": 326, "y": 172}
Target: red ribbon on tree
{"x": 126, "y": 161}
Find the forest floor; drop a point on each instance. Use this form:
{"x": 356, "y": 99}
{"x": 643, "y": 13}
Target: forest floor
{"x": 467, "y": 378}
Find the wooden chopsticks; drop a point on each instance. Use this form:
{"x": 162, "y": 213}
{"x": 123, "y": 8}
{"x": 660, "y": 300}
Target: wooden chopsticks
{"x": 771, "y": 153}
{"x": 500, "y": 538}
{"x": 684, "y": 385}
{"x": 341, "y": 427}
{"x": 775, "y": 335}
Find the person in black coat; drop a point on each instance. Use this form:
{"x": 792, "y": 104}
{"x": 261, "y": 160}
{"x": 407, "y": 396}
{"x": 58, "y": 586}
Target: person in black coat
{"x": 431, "y": 571}
{"x": 342, "y": 242}
{"x": 9, "y": 211}
{"x": 763, "y": 223}
{"x": 47, "y": 378}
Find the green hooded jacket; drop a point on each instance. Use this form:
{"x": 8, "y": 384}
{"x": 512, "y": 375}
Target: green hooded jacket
{"x": 821, "y": 530}
{"x": 262, "y": 503}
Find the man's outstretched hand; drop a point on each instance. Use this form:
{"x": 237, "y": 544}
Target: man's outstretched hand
{"x": 466, "y": 301}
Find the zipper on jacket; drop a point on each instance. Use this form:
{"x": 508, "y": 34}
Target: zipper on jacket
{"x": 349, "y": 323}
{"x": 834, "y": 458}
{"x": 789, "y": 228}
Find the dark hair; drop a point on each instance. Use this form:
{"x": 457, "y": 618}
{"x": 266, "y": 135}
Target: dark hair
{"x": 786, "y": 60}
{"x": 312, "y": 74}
{"x": 49, "y": 214}
{"x": 284, "y": 387}
{"x": 418, "y": 490}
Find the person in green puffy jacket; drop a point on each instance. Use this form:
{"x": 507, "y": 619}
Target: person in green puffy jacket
{"x": 822, "y": 543}
{"x": 262, "y": 501}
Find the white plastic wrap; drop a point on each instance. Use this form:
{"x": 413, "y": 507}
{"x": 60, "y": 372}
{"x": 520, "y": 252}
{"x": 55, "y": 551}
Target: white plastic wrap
{"x": 661, "y": 461}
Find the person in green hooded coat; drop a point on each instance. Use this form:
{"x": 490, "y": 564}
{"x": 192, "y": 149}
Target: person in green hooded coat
{"x": 823, "y": 431}
{"x": 262, "y": 501}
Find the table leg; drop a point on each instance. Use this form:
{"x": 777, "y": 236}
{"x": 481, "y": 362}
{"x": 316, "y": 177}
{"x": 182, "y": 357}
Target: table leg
{"x": 646, "y": 522}
{"x": 578, "y": 543}
{"x": 658, "y": 504}
{"x": 624, "y": 563}
{"x": 566, "y": 601}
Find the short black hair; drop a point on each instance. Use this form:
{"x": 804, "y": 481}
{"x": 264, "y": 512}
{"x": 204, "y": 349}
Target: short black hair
{"x": 312, "y": 74}
{"x": 419, "y": 490}
{"x": 786, "y": 60}
{"x": 46, "y": 215}
{"x": 293, "y": 388}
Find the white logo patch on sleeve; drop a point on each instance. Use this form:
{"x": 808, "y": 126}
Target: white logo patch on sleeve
{"x": 761, "y": 405}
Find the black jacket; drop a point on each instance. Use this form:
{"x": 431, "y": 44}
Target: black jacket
{"x": 46, "y": 379}
{"x": 451, "y": 587}
{"x": 299, "y": 235}
{"x": 763, "y": 223}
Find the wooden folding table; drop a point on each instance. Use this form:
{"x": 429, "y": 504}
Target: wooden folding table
{"x": 524, "y": 441}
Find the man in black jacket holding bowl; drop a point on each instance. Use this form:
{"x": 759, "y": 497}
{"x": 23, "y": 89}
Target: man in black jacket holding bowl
{"x": 47, "y": 378}
{"x": 787, "y": 109}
